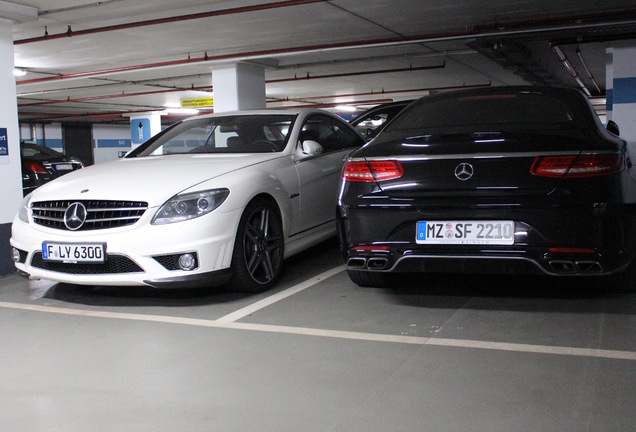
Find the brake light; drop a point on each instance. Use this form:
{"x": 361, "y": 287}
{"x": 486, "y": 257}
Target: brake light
{"x": 371, "y": 171}
{"x": 577, "y": 166}
{"x": 34, "y": 167}
{"x": 371, "y": 248}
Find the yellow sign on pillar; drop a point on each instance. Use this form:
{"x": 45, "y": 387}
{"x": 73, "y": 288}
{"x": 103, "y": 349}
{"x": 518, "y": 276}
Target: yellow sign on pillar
{"x": 197, "y": 103}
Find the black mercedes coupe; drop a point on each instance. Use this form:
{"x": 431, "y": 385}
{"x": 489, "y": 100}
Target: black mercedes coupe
{"x": 499, "y": 180}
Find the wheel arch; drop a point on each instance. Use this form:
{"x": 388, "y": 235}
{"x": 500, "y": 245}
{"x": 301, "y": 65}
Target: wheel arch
{"x": 277, "y": 187}
{"x": 283, "y": 208}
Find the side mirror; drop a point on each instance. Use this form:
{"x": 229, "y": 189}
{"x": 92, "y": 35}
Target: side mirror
{"x": 613, "y": 128}
{"x": 309, "y": 149}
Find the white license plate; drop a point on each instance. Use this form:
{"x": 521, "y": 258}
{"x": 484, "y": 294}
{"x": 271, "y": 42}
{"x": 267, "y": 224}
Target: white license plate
{"x": 498, "y": 232}
{"x": 64, "y": 167}
{"x": 75, "y": 253}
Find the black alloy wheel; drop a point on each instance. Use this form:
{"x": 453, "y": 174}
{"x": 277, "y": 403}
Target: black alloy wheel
{"x": 258, "y": 250}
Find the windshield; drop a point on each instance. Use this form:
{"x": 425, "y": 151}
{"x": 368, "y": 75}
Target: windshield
{"x": 231, "y": 134}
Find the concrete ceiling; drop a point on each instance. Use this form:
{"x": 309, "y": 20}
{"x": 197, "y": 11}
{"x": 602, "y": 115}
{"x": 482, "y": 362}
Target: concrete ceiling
{"x": 97, "y": 61}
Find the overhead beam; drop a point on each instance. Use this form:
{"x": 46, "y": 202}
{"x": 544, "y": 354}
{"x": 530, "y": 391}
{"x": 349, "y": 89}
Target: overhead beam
{"x": 18, "y": 13}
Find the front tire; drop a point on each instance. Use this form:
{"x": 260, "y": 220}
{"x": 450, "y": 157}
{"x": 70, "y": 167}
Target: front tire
{"x": 257, "y": 258}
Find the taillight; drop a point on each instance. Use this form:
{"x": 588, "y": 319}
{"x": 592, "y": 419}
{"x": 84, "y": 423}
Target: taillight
{"x": 371, "y": 171}
{"x": 571, "y": 250}
{"x": 576, "y": 166}
{"x": 371, "y": 248}
{"x": 34, "y": 167}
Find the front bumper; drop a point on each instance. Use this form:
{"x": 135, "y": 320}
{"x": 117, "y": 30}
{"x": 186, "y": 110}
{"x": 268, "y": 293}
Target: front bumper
{"x": 137, "y": 255}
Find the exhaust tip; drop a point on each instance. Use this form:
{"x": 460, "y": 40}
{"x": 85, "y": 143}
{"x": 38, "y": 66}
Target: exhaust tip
{"x": 356, "y": 262}
{"x": 562, "y": 266}
{"x": 377, "y": 263}
{"x": 589, "y": 267}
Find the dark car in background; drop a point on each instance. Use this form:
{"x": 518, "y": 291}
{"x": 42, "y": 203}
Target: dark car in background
{"x": 42, "y": 164}
{"x": 505, "y": 180}
{"x": 370, "y": 122}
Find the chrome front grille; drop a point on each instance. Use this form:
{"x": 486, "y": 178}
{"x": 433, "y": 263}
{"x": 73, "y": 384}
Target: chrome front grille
{"x": 99, "y": 214}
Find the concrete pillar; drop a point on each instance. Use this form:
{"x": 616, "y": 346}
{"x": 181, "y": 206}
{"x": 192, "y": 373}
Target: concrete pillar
{"x": 10, "y": 165}
{"x": 143, "y": 126}
{"x": 609, "y": 83}
{"x": 10, "y": 161}
{"x": 238, "y": 86}
{"x": 621, "y": 106}
{"x": 621, "y": 91}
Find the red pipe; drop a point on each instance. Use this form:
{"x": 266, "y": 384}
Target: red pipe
{"x": 439, "y": 37}
{"x": 91, "y": 98}
{"x": 499, "y": 28}
{"x": 211, "y": 14}
{"x": 347, "y": 74}
{"x": 383, "y": 92}
{"x": 239, "y": 56}
{"x": 307, "y": 104}
{"x": 204, "y": 88}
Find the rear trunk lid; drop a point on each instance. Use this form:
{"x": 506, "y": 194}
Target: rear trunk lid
{"x": 496, "y": 164}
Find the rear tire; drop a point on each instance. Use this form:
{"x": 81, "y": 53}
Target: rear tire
{"x": 370, "y": 279}
{"x": 257, "y": 258}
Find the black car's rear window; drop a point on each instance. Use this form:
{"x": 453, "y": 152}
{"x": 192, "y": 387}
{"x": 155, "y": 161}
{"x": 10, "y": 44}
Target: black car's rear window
{"x": 489, "y": 109}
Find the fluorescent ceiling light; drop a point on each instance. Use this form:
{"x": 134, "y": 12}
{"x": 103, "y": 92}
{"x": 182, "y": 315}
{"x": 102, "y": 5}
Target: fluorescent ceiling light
{"x": 348, "y": 108}
{"x": 19, "y": 72}
{"x": 182, "y": 111}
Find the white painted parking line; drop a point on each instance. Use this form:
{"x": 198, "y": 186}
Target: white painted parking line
{"x": 359, "y": 336}
{"x": 241, "y": 313}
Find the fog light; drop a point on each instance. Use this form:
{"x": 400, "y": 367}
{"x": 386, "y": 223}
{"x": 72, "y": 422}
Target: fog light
{"x": 187, "y": 261}
{"x": 15, "y": 255}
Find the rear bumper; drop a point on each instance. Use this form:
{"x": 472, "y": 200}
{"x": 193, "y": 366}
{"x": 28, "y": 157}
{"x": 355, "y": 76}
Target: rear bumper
{"x": 423, "y": 262}
{"x": 573, "y": 243}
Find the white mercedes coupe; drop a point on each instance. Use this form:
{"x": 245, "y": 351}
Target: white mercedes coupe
{"x": 211, "y": 200}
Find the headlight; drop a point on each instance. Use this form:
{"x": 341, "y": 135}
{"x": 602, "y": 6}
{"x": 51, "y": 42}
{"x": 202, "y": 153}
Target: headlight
{"x": 189, "y": 206}
{"x": 23, "y": 213}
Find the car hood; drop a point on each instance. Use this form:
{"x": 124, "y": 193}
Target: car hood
{"x": 151, "y": 179}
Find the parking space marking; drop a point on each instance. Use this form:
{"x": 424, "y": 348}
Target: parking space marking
{"x": 337, "y": 334}
{"x": 241, "y": 313}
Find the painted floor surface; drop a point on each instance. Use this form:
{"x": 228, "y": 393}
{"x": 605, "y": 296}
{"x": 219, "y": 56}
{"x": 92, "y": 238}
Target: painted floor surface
{"x": 318, "y": 353}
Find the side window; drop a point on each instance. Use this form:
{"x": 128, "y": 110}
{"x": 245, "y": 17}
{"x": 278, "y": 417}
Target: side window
{"x": 371, "y": 124}
{"x": 330, "y": 133}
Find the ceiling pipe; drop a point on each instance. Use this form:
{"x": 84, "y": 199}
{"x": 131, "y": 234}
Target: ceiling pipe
{"x": 554, "y": 20}
{"x": 154, "y": 81}
{"x": 306, "y": 103}
{"x": 113, "y": 96}
{"x": 350, "y": 74}
{"x": 389, "y": 92}
{"x": 550, "y": 21}
{"x": 475, "y": 33}
{"x": 587, "y": 70}
{"x": 158, "y": 21}
{"x": 571, "y": 70}
{"x": 406, "y": 57}
{"x": 209, "y": 88}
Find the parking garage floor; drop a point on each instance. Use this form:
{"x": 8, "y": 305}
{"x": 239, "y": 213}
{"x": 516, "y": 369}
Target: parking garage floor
{"x": 318, "y": 353}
